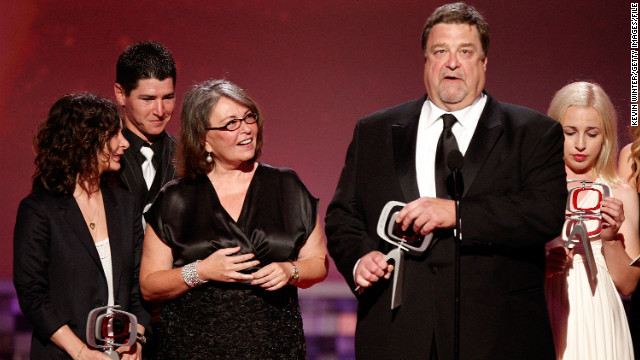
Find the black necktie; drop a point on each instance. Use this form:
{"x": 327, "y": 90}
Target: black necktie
{"x": 446, "y": 144}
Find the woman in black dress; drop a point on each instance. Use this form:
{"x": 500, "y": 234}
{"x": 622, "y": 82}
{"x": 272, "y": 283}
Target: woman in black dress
{"x": 228, "y": 243}
{"x": 77, "y": 240}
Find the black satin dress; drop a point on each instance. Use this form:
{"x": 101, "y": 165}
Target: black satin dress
{"x": 219, "y": 320}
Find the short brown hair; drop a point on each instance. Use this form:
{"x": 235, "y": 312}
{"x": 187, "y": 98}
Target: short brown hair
{"x": 144, "y": 60}
{"x": 196, "y": 110}
{"x": 458, "y": 13}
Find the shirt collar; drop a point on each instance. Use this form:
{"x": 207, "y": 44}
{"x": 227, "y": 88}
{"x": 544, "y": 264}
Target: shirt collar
{"x": 135, "y": 142}
{"x": 463, "y": 115}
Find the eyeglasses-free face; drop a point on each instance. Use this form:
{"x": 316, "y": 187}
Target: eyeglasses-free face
{"x": 233, "y": 125}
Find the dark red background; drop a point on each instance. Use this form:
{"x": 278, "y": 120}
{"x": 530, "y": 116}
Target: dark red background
{"x": 315, "y": 67}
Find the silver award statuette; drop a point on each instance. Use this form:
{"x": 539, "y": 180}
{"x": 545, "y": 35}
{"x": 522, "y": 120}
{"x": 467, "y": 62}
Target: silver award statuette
{"x": 583, "y": 219}
{"x": 109, "y": 328}
{"x": 390, "y": 232}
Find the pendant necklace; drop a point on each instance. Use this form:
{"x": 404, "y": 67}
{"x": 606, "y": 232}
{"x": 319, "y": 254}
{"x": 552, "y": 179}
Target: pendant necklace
{"x": 92, "y": 224}
{"x": 94, "y": 220}
{"x": 96, "y": 215}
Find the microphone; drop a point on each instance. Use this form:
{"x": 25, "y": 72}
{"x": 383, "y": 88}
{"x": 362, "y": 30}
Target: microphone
{"x": 455, "y": 184}
{"x": 455, "y": 187}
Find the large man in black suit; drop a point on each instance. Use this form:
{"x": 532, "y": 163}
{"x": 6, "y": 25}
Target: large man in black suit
{"x": 512, "y": 204}
{"x": 144, "y": 88}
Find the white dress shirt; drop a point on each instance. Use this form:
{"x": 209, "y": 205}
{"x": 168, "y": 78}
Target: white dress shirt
{"x": 429, "y": 130}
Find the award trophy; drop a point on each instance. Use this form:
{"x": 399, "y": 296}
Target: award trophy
{"x": 109, "y": 328}
{"x": 583, "y": 219}
{"x": 391, "y": 232}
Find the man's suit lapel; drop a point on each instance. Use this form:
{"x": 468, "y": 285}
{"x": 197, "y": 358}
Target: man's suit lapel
{"x": 485, "y": 137}
{"x": 131, "y": 174}
{"x": 404, "y": 134}
{"x": 167, "y": 171}
{"x": 114, "y": 227}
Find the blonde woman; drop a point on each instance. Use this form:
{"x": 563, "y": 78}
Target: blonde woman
{"x": 587, "y": 315}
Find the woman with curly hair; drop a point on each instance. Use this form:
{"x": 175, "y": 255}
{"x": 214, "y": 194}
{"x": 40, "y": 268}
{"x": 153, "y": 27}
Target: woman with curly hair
{"x": 77, "y": 240}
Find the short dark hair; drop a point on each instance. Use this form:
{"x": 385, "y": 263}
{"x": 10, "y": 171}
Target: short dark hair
{"x": 458, "y": 13}
{"x": 144, "y": 60}
{"x": 196, "y": 110}
{"x": 68, "y": 142}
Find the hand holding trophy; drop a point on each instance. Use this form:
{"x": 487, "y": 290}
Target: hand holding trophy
{"x": 109, "y": 328}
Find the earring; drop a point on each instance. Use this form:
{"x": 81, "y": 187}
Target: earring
{"x": 209, "y": 158}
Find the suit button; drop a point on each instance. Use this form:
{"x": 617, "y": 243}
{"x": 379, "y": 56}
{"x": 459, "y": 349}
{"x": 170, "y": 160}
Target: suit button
{"x": 434, "y": 270}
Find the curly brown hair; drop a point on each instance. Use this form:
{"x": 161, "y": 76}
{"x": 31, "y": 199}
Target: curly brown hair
{"x": 68, "y": 142}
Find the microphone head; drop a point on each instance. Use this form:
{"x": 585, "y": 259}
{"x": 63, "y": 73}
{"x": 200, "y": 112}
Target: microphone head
{"x": 455, "y": 160}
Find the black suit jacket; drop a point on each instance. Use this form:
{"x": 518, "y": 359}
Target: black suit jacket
{"x": 131, "y": 173}
{"x": 513, "y": 203}
{"x": 57, "y": 271}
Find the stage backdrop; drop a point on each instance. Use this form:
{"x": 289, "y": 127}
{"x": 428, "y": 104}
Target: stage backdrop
{"x": 315, "y": 67}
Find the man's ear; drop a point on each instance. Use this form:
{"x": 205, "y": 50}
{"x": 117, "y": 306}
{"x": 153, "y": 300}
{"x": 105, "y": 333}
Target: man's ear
{"x": 119, "y": 94}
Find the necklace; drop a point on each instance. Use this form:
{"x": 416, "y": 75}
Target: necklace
{"x": 96, "y": 213}
{"x": 93, "y": 220}
{"x": 92, "y": 224}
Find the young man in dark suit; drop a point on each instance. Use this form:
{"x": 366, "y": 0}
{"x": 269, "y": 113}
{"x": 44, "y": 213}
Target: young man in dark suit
{"x": 145, "y": 90}
{"x": 512, "y": 204}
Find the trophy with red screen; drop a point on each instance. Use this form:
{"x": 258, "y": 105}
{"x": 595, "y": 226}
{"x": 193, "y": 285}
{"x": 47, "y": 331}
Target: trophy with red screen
{"x": 405, "y": 241}
{"x": 109, "y": 328}
{"x": 583, "y": 219}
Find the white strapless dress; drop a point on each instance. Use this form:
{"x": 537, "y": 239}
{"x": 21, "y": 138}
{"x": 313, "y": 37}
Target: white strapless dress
{"x": 588, "y": 318}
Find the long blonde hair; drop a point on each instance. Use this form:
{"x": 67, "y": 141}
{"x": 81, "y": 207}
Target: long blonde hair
{"x": 588, "y": 94}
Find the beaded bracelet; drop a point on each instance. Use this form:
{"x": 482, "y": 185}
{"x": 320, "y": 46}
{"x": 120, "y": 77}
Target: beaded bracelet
{"x": 190, "y": 274}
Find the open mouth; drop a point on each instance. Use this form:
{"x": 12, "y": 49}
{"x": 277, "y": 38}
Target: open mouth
{"x": 246, "y": 142}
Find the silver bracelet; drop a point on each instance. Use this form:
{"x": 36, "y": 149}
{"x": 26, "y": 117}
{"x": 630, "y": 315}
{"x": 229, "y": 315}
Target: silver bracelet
{"x": 190, "y": 274}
